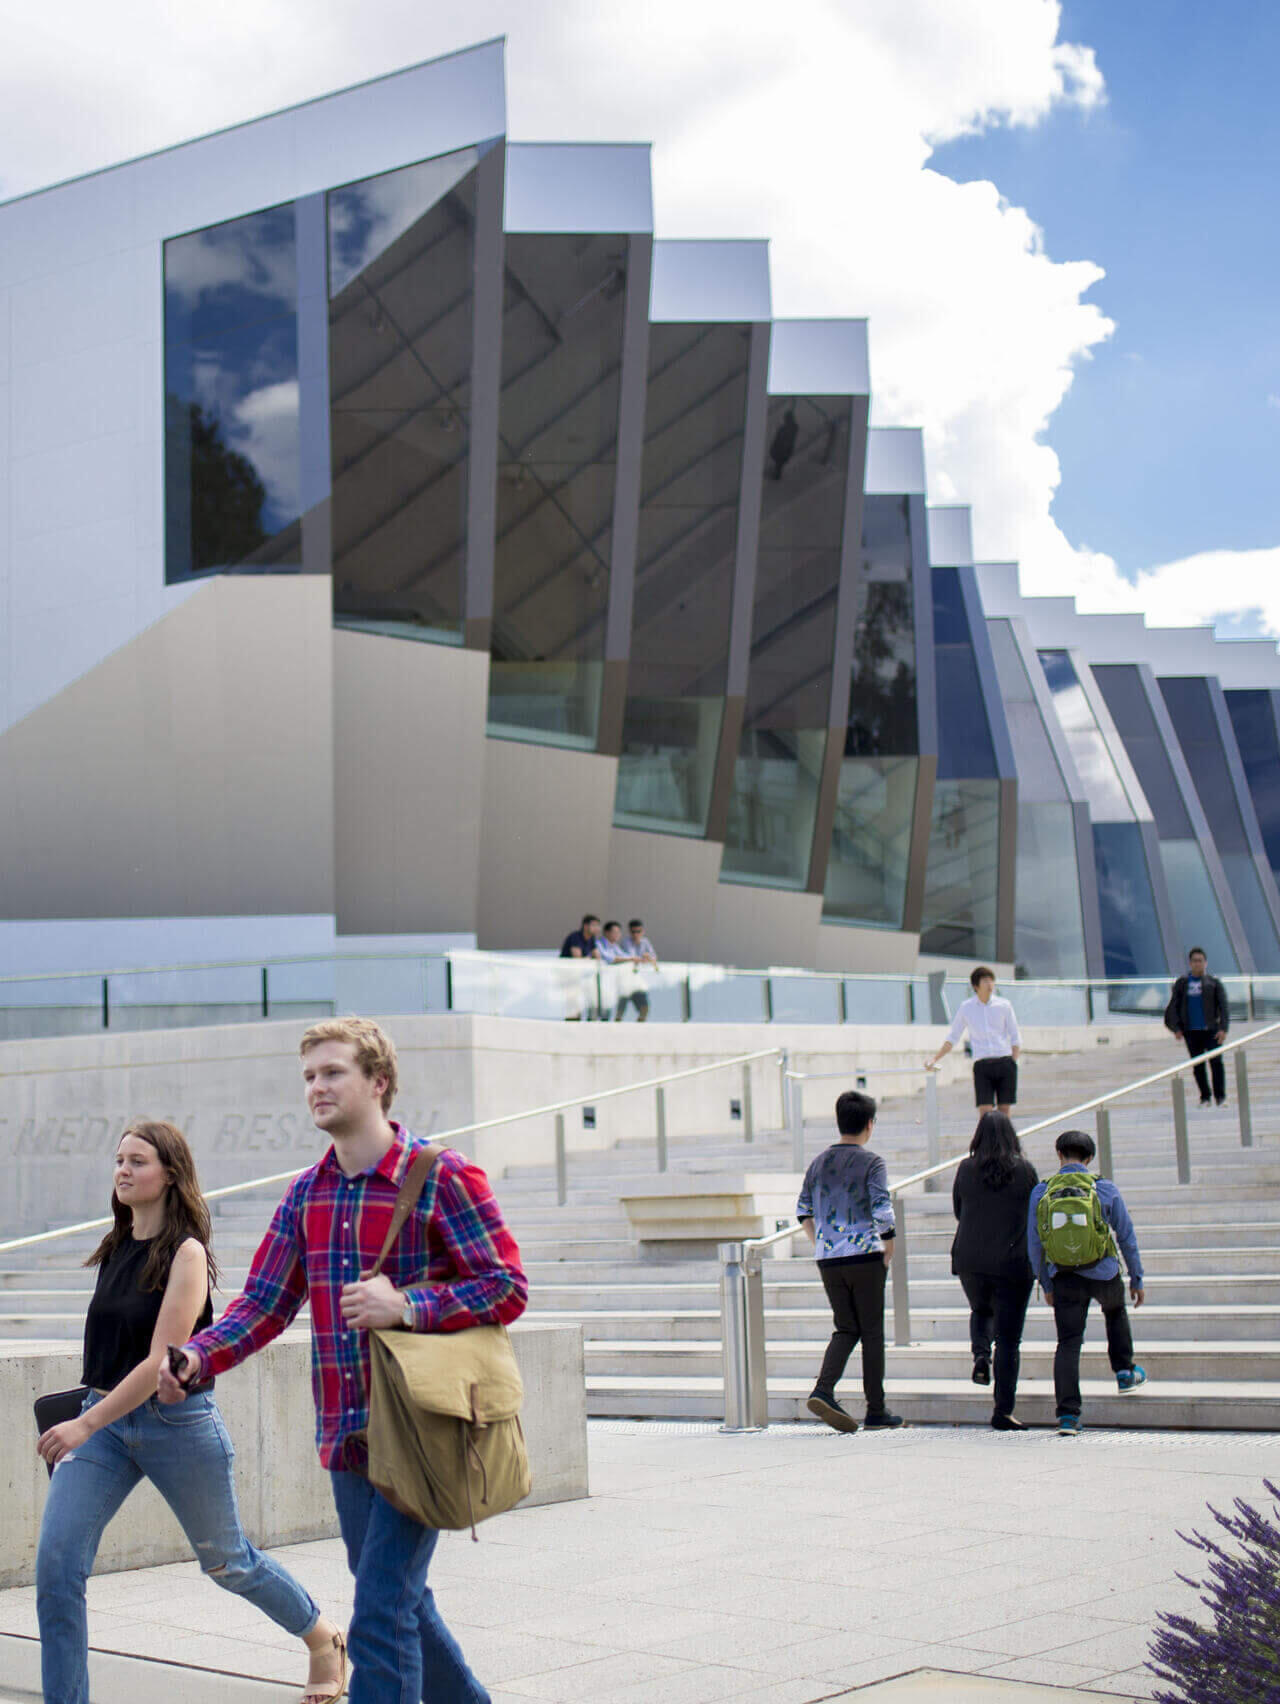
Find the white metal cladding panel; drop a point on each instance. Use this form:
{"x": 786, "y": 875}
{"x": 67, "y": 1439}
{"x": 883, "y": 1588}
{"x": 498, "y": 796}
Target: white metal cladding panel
{"x": 950, "y": 537}
{"x": 578, "y": 187}
{"x": 819, "y": 358}
{"x": 895, "y": 461}
{"x": 81, "y": 340}
{"x": 713, "y": 281}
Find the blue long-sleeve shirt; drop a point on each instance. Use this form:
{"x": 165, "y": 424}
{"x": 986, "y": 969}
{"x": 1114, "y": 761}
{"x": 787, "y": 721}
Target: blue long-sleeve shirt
{"x": 846, "y": 1194}
{"x": 1114, "y": 1212}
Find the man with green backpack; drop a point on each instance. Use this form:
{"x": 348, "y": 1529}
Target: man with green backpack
{"x": 1074, "y": 1223}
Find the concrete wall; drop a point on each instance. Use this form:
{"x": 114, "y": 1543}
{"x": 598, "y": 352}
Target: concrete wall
{"x": 282, "y": 1490}
{"x": 671, "y": 881}
{"x": 186, "y": 775}
{"x": 408, "y": 757}
{"x": 236, "y": 1091}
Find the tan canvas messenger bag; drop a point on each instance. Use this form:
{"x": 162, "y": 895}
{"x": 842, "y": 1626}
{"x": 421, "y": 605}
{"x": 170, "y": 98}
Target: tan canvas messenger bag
{"x": 445, "y": 1443}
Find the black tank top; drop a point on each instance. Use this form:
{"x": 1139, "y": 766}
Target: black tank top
{"x": 122, "y": 1317}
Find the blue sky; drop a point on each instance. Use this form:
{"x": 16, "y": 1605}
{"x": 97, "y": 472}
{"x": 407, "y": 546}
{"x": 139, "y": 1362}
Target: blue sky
{"x": 1170, "y": 436}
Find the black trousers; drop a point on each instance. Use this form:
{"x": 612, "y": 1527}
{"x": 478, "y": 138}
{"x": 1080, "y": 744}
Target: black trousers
{"x": 997, "y": 1311}
{"x": 1198, "y": 1042}
{"x": 856, "y": 1294}
{"x": 1071, "y": 1297}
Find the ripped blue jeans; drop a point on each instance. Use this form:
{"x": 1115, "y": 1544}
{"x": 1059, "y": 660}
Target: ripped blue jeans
{"x": 185, "y": 1452}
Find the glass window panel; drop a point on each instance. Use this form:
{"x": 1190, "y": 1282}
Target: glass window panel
{"x": 1131, "y": 941}
{"x": 959, "y": 917}
{"x": 401, "y": 252}
{"x": 871, "y": 841}
{"x": 1103, "y": 788}
{"x": 805, "y": 999}
{"x": 558, "y": 427}
{"x": 1121, "y": 687}
{"x": 1254, "y": 721}
{"x": 1255, "y": 913}
{"x": 231, "y": 398}
{"x": 775, "y": 788}
{"x": 1048, "y": 926}
{"x": 965, "y": 746}
{"x": 1191, "y": 710}
{"x": 694, "y": 418}
{"x": 882, "y": 698}
{"x": 1197, "y": 915}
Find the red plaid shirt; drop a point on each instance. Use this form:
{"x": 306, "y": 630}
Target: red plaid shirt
{"x": 455, "y": 1260}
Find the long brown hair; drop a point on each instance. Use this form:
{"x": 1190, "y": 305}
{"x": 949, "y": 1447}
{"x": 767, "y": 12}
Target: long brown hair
{"x": 186, "y": 1213}
{"x": 996, "y": 1149}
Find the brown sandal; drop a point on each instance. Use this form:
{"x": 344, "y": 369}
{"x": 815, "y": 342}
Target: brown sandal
{"x": 314, "y": 1694}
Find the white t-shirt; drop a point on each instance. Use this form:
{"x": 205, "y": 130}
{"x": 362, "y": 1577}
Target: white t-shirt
{"x": 992, "y": 1027}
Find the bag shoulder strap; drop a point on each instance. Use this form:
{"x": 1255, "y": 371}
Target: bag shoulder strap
{"x": 415, "y": 1181}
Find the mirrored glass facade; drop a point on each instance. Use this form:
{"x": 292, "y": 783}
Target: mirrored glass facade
{"x": 695, "y": 417}
{"x": 231, "y": 398}
{"x": 963, "y": 870}
{"x": 558, "y": 429}
{"x": 769, "y": 839}
{"x": 875, "y": 805}
{"x": 1253, "y": 717}
{"x": 401, "y": 255}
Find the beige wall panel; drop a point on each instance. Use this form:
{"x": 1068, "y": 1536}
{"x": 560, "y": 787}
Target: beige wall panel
{"x": 544, "y": 851}
{"x": 188, "y": 774}
{"x": 841, "y": 947}
{"x": 672, "y": 883}
{"x": 408, "y": 761}
{"x": 759, "y": 926}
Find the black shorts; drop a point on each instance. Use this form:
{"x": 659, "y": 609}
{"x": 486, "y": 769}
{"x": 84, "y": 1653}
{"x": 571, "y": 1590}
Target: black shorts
{"x": 995, "y": 1081}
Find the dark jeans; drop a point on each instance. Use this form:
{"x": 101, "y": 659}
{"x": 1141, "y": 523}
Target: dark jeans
{"x": 1198, "y": 1042}
{"x": 997, "y": 1309}
{"x": 401, "y": 1650}
{"x": 856, "y": 1294}
{"x": 1071, "y": 1297}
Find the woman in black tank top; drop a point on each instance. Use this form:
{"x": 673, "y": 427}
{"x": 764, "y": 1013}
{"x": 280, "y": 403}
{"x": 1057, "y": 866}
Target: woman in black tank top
{"x": 155, "y": 1273}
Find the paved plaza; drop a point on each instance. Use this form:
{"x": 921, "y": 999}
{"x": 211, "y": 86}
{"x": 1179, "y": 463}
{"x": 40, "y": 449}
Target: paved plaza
{"x": 776, "y": 1568}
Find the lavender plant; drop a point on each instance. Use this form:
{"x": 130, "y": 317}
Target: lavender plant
{"x": 1235, "y": 1659}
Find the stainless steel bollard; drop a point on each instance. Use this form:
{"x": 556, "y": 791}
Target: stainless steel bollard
{"x": 748, "y": 1110}
{"x": 932, "y": 1129}
{"x": 562, "y": 1168}
{"x": 660, "y": 1111}
{"x": 898, "y": 1273}
{"x": 746, "y": 1395}
{"x": 1243, "y": 1103}
{"x": 795, "y": 1120}
{"x": 1181, "y": 1146}
{"x": 1106, "y": 1165}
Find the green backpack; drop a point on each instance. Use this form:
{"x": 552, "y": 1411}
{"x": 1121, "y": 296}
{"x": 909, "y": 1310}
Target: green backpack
{"x": 1073, "y": 1229}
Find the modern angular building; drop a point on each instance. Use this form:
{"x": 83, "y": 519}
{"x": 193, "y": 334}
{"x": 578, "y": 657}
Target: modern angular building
{"x": 398, "y": 539}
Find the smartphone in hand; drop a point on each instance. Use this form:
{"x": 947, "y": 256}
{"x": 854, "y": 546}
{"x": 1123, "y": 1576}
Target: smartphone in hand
{"x": 177, "y": 1366}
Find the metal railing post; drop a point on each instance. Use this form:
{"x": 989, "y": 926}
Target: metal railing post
{"x": 660, "y": 1110}
{"x": 1106, "y": 1164}
{"x": 106, "y": 1004}
{"x": 795, "y": 1121}
{"x": 898, "y": 1273}
{"x": 266, "y": 997}
{"x": 748, "y": 1110}
{"x": 562, "y": 1167}
{"x": 932, "y": 1129}
{"x": 1182, "y": 1147}
{"x": 784, "y": 1087}
{"x": 686, "y": 999}
{"x": 1243, "y": 1103}
{"x": 746, "y": 1395}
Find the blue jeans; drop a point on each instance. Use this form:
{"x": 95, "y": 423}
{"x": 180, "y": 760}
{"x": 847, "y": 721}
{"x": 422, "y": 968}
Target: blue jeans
{"x": 185, "y": 1452}
{"x": 401, "y": 1650}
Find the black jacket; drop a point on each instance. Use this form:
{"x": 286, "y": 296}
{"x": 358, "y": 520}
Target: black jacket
{"x": 1217, "y": 1013}
{"x": 991, "y": 1236}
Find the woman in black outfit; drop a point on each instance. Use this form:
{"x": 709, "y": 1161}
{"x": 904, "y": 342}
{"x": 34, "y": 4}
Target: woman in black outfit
{"x": 989, "y": 1254}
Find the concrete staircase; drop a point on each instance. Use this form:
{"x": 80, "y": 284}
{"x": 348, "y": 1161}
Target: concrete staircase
{"x": 1209, "y": 1334}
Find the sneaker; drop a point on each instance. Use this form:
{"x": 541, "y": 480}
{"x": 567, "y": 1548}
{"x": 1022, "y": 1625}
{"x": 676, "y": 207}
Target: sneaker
{"x": 1006, "y": 1423}
{"x": 885, "y": 1422}
{"x": 1222, "y": 1102}
{"x": 981, "y": 1370}
{"x": 825, "y": 1406}
{"x": 1125, "y": 1382}
{"x": 1069, "y": 1426}
{"x": 1204, "y": 1100}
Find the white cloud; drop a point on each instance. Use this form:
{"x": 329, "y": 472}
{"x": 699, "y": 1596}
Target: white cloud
{"x": 811, "y": 124}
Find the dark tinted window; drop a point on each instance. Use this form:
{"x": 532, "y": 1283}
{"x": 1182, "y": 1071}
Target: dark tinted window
{"x": 1191, "y": 709}
{"x": 1121, "y": 687}
{"x": 1254, "y": 720}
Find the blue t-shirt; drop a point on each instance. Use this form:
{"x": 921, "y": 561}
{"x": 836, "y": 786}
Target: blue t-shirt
{"x": 1195, "y": 1004}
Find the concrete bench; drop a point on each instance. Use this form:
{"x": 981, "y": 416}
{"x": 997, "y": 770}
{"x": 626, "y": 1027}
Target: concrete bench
{"x": 688, "y": 1213}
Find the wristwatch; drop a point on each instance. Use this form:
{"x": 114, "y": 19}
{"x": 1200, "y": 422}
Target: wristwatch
{"x": 406, "y": 1317}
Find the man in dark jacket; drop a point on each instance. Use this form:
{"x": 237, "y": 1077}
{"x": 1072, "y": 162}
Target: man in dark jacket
{"x": 1198, "y": 1014}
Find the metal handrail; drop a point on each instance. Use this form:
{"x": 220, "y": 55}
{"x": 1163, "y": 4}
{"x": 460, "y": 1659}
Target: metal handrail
{"x": 741, "y": 1290}
{"x": 559, "y": 1108}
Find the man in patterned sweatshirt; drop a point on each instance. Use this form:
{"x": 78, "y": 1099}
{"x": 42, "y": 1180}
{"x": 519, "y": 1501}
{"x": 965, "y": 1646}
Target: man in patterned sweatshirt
{"x": 454, "y": 1264}
{"x": 847, "y": 1215}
